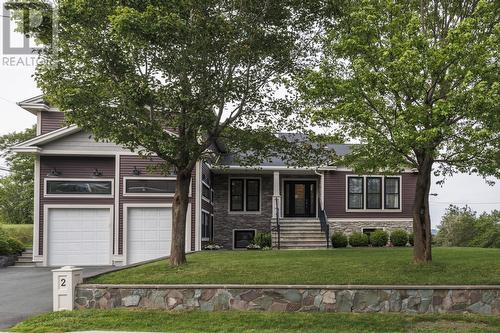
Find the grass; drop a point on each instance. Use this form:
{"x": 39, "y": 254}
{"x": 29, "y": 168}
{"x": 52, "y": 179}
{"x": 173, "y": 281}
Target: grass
{"x": 340, "y": 266}
{"x": 241, "y": 322}
{"x": 21, "y": 232}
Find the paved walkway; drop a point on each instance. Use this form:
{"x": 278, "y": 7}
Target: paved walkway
{"x": 27, "y": 291}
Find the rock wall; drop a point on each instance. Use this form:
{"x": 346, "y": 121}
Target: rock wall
{"x": 7, "y": 260}
{"x": 348, "y": 227}
{"x": 301, "y": 298}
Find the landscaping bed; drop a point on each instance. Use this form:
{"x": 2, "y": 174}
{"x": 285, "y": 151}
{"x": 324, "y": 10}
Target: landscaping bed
{"x": 372, "y": 266}
{"x": 240, "y": 322}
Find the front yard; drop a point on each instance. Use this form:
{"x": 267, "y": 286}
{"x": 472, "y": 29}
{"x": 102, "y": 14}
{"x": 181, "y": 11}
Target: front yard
{"x": 240, "y": 322}
{"x": 454, "y": 266}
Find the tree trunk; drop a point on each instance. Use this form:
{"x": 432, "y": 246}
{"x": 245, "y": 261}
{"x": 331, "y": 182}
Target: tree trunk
{"x": 179, "y": 213}
{"x": 421, "y": 217}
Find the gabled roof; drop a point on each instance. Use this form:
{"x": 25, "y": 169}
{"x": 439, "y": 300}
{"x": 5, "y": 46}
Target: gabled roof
{"x": 32, "y": 145}
{"x": 35, "y": 104}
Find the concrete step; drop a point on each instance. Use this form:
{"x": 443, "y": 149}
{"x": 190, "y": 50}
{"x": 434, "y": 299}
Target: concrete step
{"x": 298, "y": 239}
{"x": 24, "y": 259}
{"x": 298, "y": 232}
{"x": 24, "y": 264}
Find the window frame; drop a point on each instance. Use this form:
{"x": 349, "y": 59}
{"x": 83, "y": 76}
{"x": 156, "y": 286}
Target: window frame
{"x": 203, "y": 197}
{"x": 244, "y": 196}
{"x": 127, "y": 194}
{"x": 234, "y": 237}
{"x": 363, "y": 193}
{"x": 399, "y": 193}
{"x": 78, "y": 195}
{"x": 210, "y": 226}
{"x": 382, "y": 184}
{"x": 383, "y": 208}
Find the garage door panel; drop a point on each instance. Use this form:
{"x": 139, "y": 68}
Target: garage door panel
{"x": 149, "y": 233}
{"x": 79, "y": 236}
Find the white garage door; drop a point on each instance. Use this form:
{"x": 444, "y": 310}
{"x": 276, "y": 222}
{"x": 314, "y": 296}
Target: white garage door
{"x": 79, "y": 236}
{"x": 149, "y": 233}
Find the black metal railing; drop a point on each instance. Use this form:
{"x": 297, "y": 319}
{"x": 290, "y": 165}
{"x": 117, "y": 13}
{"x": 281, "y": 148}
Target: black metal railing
{"x": 323, "y": 220}
{"x": 277, "y": 227}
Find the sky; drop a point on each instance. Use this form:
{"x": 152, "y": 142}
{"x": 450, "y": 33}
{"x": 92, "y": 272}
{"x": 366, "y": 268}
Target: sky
{"x": 17, "y": 84}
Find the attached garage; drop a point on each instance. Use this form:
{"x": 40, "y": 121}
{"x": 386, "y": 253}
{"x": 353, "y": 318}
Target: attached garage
{"x": 148, "y": 233}
{"x": 79, "y": 236}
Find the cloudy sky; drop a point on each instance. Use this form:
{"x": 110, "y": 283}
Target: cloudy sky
{"x": 17, "y": 83}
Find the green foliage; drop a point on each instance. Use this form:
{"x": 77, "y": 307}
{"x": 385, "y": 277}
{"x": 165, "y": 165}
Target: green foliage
{"x": 16, "y": 189}
{"x": 399, "y": 237}
{"x": 357, "y": 239}
{"x": 21, "y": 232}
{"x": 339, "y": 240}
{"x": 16, "y": 247}
{"x": 379, "y": 238}
{"x": 263, "y": 239}
{"x": 411, "y": 238}
{"x": 462, "y": 227}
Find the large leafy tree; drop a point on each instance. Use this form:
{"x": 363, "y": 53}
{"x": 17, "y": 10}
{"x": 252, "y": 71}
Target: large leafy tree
{"x": 417, "y": 82}
{"x": 16, "y": 189}
{"x": 170, "y": 77}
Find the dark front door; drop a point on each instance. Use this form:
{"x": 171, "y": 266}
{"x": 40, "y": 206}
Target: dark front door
{"x": 300, "y": 198}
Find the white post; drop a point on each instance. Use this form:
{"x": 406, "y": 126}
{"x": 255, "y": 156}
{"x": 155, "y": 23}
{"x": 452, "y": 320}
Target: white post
{"x": 64, "y": 282}
{"x": 276, "y": 193}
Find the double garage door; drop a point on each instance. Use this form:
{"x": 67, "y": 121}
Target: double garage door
{"x": 84, "y": 236}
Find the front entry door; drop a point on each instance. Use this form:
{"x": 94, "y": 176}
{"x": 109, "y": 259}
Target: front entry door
{"x": 300, "y": 199}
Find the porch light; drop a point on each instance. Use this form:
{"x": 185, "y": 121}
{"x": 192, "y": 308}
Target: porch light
{"x": 136, "y": 172}
{"x": 54, "y": 173}
{"x": 97, "y": 173}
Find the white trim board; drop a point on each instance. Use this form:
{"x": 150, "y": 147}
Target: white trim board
{"x": 77, "y": 195}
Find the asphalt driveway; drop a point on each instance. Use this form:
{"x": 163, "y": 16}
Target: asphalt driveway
{"x": 27, "y": 291}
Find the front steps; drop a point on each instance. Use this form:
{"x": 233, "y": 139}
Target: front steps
{"x": 299, "y": 234}
{"x": 25, "y": 259}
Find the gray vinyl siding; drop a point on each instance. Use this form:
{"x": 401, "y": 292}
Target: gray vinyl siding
{"x": 82, "y": 141}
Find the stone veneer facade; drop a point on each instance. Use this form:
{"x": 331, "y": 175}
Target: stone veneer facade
{"x": 348, "y": 227}
{"x": 406, "y": 299}
{"x": 226, "y": 222}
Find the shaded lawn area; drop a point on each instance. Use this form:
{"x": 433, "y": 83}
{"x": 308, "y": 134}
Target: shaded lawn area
{"x": 335, "y": 266}
{"x": 21, "y": 232}
{"x": 238, "y": 322}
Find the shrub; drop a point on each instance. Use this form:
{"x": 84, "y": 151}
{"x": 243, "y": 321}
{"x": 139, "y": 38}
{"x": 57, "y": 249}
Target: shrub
{"x": 358, "y": 239}
{"x": 16, "y": 247}
{"x": 4, "y": 246}
{"x": 263, "y": 239}
{"x": 379, "y": 238}
{"x": 411, "y": 238}
{"x": 399, "y": 237}
{"x": 339, "y": 240}
{"x": 21, "y": 232}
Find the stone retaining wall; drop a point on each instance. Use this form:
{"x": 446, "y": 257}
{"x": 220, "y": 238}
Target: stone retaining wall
{"x": 348, "y": 227}
{"x": 407, "y": 299}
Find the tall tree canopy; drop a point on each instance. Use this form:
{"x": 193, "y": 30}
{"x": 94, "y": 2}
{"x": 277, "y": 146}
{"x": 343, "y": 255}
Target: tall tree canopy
{"x": 417, "y": 82}
{"x": 171, "y": 77}
{"x": 16, "y": 189}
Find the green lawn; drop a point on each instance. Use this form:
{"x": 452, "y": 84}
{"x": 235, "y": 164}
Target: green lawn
{"x": 21, "y": 232}
{"x": 239, "y": 322}
{"x": 338, "y": 266}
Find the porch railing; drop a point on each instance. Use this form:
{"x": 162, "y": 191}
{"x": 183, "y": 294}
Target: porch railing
{"x": 323, "y": 220}
{"x": 277, "y": 226}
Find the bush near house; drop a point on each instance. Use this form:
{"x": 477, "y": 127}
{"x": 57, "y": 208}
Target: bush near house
{"x": 9, "y": 245}
{"x": 339, "y": 240}
{"x": 21, "y": 232}
{"x": 379, "y": 238}
{"x": 263, "y": 239}
{"x": 399, "y": 237}
{"x": 357, "y": 239}
{"x": 411, "y": 238}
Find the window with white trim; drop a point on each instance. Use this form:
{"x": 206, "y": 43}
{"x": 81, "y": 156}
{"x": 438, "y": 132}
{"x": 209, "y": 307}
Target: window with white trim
{"x": 79, "y": 187}
{"x": 149, "y": 186}
{"x": 244, "y": 195}
{"x": 373, "y": 192}
{"x": 205, "y": 191}
{"x": 355, "y": 193}
{"x": 392, "y": 193}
